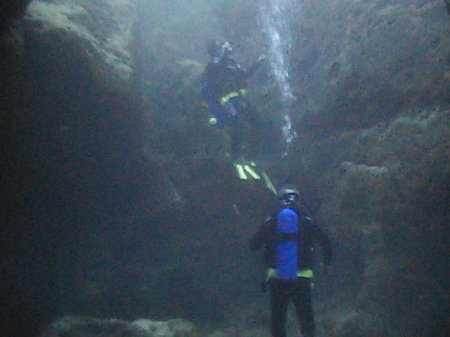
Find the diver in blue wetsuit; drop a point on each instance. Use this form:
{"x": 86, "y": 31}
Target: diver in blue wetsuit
{"x": 224, "y": 87}
{"x": 288, "y": 238}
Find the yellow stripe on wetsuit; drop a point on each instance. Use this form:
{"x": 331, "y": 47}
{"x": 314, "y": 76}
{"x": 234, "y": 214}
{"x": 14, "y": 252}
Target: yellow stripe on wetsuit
{"x": 224, "y": 99}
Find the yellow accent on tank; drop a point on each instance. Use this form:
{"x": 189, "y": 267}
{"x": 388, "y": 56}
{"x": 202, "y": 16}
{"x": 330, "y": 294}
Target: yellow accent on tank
{"x": 272, "y": 273}
{"x": 308, "y": 273}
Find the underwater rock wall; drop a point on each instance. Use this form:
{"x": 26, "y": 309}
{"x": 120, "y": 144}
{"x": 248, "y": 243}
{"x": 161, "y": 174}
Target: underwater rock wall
{"x": 372, "y": 81}
{"x": 73, "y": 153}
{"x": 386, "y": 193}
{"x": 359, "y": 63}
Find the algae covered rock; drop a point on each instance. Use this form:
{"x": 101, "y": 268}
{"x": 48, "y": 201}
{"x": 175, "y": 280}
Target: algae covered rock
{"x": 101, "y": 31}
{"x": 92, "y": 327}
{"x": 171, "y": 328}
{"x": 359, "y": 63}
{"x": 393, "y": 204}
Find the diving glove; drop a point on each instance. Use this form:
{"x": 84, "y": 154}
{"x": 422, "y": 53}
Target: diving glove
{"x": 212, "y": 121}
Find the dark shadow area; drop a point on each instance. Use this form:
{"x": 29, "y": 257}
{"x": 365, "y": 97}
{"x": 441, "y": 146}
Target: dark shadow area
{"x": 72, "y": 165}
{"x": 10, "y": 10}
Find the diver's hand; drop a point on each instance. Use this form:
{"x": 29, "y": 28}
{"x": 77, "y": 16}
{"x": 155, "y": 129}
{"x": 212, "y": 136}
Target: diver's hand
{"x": 212, "y": 121}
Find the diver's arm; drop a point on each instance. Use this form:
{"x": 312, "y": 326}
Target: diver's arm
{"x": 254, "y": 68}
{"x": 210, "y": 96}
{"x": 215, "y": 109}
{"x": 324, "y": 243}
{"x": 261, "y": 237}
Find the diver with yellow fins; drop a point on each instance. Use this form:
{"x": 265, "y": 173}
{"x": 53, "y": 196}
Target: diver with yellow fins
{"x": 247, "y": 170}
{"x": 224, "y": 89}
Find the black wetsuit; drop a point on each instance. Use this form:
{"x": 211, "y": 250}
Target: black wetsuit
{"x": 299, "y": 290}
{"x": 220, "y": 79}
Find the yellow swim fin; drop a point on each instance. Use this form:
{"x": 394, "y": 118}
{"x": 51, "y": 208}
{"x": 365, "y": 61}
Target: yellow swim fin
{"x": 252, "y": 172}
{"x": 269, "y": 183}
{"x": 240, "y": 171}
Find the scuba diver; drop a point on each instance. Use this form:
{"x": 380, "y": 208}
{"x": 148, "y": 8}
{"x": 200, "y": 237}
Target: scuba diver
{"x": 224, "y": 85}
{"x": 288, "y": 238}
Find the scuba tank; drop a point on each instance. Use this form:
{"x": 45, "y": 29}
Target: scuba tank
{"x": 287, "y": 248}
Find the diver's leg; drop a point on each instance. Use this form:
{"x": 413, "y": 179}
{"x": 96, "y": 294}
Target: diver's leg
{"x": 303, "y": 306}
{"x": 249, "y": 113}
{"x": 236, "y": 136}
{"x": 254, "y": 127}
{"x": 278, "y": 304}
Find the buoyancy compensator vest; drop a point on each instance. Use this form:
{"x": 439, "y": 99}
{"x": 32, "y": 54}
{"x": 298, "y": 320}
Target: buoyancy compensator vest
{"x": 287, "y": 232}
